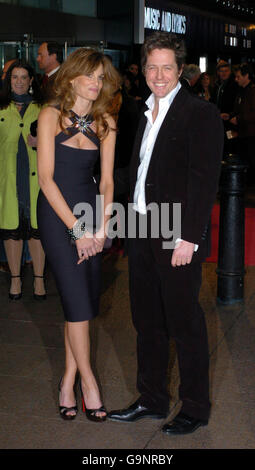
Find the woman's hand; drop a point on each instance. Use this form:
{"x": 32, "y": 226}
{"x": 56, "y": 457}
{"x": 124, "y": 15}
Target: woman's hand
{"x": 99, "y": 238}
{"x": 86, "y": 247}
{"x": 31, "y": 141}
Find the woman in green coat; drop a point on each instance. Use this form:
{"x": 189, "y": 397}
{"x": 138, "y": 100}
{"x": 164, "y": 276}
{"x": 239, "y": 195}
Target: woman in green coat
{"x": 20, "y": 104}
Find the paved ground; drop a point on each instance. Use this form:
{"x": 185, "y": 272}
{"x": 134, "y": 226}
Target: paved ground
{"x": 32, "y": 355}
{"x": 31, "y": 348}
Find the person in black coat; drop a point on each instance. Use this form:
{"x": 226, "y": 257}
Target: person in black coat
{"x": 190, "y": 77}
{"x": 224, "y": 94}
{"x": 176, "y": 160}
{"x": 243, "y": 118}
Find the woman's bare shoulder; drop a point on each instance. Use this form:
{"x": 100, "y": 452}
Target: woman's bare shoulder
{"x": 49, "y": 113}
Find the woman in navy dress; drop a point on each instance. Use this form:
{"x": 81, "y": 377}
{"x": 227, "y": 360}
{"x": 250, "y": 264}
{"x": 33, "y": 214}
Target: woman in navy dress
{"x": 77, "y": 128}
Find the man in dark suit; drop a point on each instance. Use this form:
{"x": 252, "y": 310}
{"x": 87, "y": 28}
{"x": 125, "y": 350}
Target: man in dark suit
{"x": 224, "y": 94}
{"x": 225, "y": 89}
{"x": 190, "y": 76}
{"x": 243, "y": 118}
{"x": 176, "y": 159}
{"x": 49, "y": 59}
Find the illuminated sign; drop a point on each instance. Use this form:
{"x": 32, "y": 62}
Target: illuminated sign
{"x": 164, "y": 21}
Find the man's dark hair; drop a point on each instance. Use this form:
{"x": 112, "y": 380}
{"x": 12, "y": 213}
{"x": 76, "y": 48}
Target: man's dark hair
{"x": 163, "y": 40}
{"x": 55, "y": 48}
{"x": 244, "y": 69}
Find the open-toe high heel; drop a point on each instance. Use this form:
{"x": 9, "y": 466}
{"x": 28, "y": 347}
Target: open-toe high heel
{"x": 91, "y": 414}
{"x": 39, "y": 296}
{"x": 63, "y": 410}
{"x": 15, "y": 296}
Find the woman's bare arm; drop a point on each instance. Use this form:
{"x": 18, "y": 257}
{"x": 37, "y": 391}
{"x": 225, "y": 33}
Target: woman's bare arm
{"x": 47, "y": 129}
{"x": 106, "y": 186}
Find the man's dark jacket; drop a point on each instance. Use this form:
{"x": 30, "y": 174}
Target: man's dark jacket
{"x": 184, "y": 168}
{"x": 224, "y": 94}
{"x": 244, "y": 111}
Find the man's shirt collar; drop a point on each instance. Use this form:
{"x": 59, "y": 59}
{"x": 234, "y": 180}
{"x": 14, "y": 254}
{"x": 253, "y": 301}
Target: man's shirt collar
{"x": 168, "y": 99}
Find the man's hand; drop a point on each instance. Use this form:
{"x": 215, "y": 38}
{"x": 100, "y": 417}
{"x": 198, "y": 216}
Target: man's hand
{"x": 225, "y": 116}
{"x": 233, "y": 121}
{"x": 182, "y": 254}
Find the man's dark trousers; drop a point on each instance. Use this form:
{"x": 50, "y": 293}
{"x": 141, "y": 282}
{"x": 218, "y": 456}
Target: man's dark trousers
{"x": 164, "y": 304}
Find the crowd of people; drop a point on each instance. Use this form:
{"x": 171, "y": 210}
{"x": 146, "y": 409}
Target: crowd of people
{"x": 230, "y": 88}
{"x": 76, "y": 132}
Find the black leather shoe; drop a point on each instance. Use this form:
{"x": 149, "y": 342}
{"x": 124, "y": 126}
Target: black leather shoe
{"x": 133, "y": 413}
{"x": 183, "y": 424}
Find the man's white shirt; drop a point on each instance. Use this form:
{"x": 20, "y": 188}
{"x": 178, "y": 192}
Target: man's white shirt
{"x": 148, "y": 142}
{"x": 53, "y": 71}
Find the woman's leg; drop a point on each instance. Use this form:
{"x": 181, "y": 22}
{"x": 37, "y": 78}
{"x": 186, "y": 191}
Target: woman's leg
{"x": 78, "y": 340}
{"x": 38, "y": 258}
{"x": 13, "y": 250}
{"x": 67, "y": 397}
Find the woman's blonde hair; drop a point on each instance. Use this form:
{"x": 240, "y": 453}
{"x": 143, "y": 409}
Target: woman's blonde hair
{"x": 84, "y": 61}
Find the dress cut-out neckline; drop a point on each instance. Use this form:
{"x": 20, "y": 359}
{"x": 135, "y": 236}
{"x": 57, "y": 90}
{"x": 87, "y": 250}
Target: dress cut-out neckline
{"x": 80, "y": 124}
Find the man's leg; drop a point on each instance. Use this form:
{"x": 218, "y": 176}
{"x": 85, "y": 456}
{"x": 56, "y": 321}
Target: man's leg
{"x": 180, "y": 290}
{"x": 149, "y": 321}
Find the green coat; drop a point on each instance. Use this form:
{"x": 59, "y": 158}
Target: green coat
{"x": 11, "y": 127}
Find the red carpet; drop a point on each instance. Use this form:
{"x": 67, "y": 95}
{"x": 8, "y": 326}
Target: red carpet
{"x": 249, "y": 235}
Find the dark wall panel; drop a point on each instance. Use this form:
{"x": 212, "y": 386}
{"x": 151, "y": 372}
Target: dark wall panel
{"x": 15, "y": 21}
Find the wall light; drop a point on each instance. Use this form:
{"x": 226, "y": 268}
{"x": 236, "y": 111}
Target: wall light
{"x": 203, "y": 63}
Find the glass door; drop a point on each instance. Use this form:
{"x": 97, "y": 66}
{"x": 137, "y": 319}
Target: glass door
{"x": 9, "y": 50}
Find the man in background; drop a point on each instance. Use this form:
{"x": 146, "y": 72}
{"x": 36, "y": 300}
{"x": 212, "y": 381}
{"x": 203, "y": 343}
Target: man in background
{"x": 224, "y": 94}
{"x": 190, "y": 76}
{"x": 49, "y": 59}
{"x": 243, "y": 118}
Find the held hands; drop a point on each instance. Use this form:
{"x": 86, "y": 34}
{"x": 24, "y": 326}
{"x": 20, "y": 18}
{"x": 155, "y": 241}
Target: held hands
{"x": 182, "y": 254}
{"x": 99, "y": 238}
{"x": 89, "y": 245}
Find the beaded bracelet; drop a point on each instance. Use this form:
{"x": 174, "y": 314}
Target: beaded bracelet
{"x": 77, "y": 231}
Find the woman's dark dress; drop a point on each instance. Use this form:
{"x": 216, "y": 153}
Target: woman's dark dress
{"x": 78, "y": 285}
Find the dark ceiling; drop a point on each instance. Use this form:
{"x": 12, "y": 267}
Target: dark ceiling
{"x": 242, "y": 9}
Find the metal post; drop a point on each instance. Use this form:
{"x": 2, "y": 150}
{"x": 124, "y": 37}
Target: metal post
{"x": 65, "y": 50}
{"x": 230, "y": 288}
